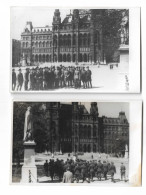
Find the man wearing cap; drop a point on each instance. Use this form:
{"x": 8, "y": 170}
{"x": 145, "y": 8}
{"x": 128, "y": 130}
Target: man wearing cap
{"x": 122, "y": 171}
{"x": 88, "y": 77}
{"x": 77, "y": 78}
{"x": 19, "y": 80}
{"x": 68, "y": 176}
{"x": 66, "y": 77}
{"x": 99, "y": 170}
{"x": 112, "y": 170}
{"x": 57, "y": 77}
{"x": 26, "y": 79}
{"x": 105, "y": 169}
{"x": 83, "y": 76}
{"x": 13, "y": 79}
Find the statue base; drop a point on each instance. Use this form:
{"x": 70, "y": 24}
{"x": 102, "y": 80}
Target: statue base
{"x": 29, "y": 170}
{"x": 126, "y": 154}
{"x": 124, "y": 58}
{"x": 24, "y": 62}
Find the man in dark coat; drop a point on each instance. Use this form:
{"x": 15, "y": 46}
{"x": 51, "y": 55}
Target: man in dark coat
{"x": 105, "y": 169}
{"x": 123, "y": 171}
{"x": 99, "y": 169}
{"x": 112, "y": 170}
{"x": 88, "y": 77}
{"x": 46, "y": 168}
{"x": 13, "y": 79}
{"x": 26, "y": 79}
{"x": 19, "y": 80}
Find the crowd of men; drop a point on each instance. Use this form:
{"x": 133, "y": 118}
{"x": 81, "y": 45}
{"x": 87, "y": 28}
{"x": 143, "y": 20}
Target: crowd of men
{"x": 73, "y": 171}
{"x": 48, "y": 78}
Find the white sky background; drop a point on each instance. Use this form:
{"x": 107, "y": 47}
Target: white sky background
{"x": 109, "y": 109}
{"x": 39, "y": 16}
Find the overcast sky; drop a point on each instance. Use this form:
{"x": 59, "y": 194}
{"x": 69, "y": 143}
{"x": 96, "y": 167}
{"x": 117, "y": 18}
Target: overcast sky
{"x": 39, "y": 16}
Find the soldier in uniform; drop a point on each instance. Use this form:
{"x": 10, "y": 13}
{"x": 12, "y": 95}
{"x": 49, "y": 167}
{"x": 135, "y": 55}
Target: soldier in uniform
{"x": 77, "y": 78}
{"x": 45, "y": 77}
{"x": 41, "y": 79}
{"x": 57, "y": 77}
{"x": 83, "y": 171}
{"x": 19, "y": 80}
{"x": 77, "y": 172}
{"x": 99, "y": 170}
{"x": 123, "y": 171}
{"x": 66, "y": 77}
{"x": 105, "y": 169}
{"x": 53, "y": 77}
{"x": 46, "y": 166}
{"x": 13, "y": 79}
{"x": 37, "y": 76}
{"x": 26, "y": 79}
{"x": 91, "y": 170}
{"x": 62, "y": 76}
{"x": 83, "y": 76}
{"x": 88, "y": 77}
{"x": 112, "y": 170}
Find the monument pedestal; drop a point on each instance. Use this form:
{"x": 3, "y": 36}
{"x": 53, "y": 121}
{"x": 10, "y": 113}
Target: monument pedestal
{"x": 29, "y": 170}
{"x": 124, "y": 58}
{"x": 126, "y": 154}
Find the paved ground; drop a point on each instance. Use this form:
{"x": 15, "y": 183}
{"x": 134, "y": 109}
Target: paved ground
{"x": 40, "y": 159}
{"x": 104, "y": 79}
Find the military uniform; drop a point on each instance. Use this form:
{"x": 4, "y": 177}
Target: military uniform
{"x": 19, "y": 80}
{"x": 112, "y": 171}
{"x": 88, "y": 78}
{"x": 26, "y": 79}
{"x": 99, "y": 170}
{"x": 83, "y": 77}
{"x": 105, "y": 169}
{"x": 13, "y": 79}
{"x": 77, "y": 78}
{"x": 123, "y": 171}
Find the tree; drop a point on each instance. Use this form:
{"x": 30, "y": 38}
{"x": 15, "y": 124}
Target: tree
{"x": 111, "y": 24}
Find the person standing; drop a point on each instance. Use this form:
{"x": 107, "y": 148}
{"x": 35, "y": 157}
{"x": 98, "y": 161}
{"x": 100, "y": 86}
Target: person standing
{"x": 46, "y": 167}
{"x": 123, "y": 171}
{"x": 99, "y": 170}
{"x": 112, "y": 170}
{"x": 88, "y": 78}
{"x": 26, "y": 79}
{"x": 13, "y": 79}
{"x": 105, "y": 169}
{"x": 19, "y": 80}
{"x": 68, "y": 176}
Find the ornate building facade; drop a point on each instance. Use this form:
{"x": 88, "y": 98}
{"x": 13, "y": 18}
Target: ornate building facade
{"x": 74, "y": 129}
{"x": 78, "y": 38}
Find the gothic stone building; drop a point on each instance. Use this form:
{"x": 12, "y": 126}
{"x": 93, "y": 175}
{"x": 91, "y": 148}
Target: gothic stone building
{"x": 78, "y": 38}
{"x": 77, "y": 130}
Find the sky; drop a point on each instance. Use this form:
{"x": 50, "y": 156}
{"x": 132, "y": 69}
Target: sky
{"x": 39, "y": 16}
{"x": 110, "y": 109}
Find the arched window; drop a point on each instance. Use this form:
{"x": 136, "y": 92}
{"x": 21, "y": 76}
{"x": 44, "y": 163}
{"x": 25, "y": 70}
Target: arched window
{"x": 64, "y": 57}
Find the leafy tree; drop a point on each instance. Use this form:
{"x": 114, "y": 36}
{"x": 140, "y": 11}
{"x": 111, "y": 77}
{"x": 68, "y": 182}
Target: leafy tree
{"x": 111, "y": 24}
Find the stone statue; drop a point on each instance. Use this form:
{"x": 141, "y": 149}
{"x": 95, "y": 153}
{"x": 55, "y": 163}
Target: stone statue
{"x": 28, "y": 126}
{"x": 124, "y": 28}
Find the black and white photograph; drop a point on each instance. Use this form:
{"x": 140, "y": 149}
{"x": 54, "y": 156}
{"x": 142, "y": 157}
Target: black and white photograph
{"x": 71, "y": 142}
{"x": 75, "y": 50}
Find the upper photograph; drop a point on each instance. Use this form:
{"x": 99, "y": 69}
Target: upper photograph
{"x": 75, "y": 50}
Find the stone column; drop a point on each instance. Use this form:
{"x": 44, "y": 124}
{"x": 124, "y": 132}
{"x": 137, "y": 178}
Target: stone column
{"x": 29, "y": 170}
{"x": 77, "y": 46}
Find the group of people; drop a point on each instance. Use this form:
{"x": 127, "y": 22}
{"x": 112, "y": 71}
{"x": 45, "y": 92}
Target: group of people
{"x": 72, "y": 171}
{"x": 48, "y": 78}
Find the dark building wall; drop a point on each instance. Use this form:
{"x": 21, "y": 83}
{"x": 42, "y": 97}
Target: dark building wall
{"x": 74, "y": 129}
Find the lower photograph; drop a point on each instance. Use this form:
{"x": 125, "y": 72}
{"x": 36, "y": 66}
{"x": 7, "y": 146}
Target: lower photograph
{"x": 76, "y": 143}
